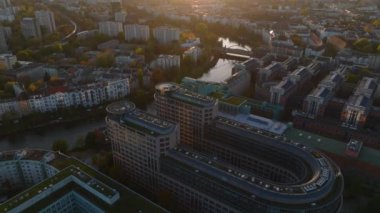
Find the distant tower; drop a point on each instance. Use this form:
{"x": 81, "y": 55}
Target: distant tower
{"x": 5, "y": 4}
{"x": 115, "y": 6}
{"x": 45, "y": 20}
{"x": 30, "y": 28}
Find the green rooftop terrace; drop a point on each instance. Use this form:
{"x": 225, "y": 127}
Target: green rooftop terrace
{"x": 237, "y": 101}
{"x": 367, "y": 155}
{"x": 129, "y": 200}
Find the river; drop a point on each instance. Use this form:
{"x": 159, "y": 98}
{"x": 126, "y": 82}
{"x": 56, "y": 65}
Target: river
{"x": 223, "y": 68}
{"x": 45, "y": 138}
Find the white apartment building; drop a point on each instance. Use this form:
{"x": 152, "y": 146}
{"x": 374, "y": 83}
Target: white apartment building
{"x": 165, "y": 35}
{"x": 136, "y": 32}
{"x": 30, "y": 28}
{"x": 167, "y": 62}
{"x": 120, "y": 16}
{"x": 110, "y": 28}
{"x": 45, "y": 20}
{"x": 5, "y": 4}
{"x": 89, "y": 96}
{"x": 9, "y": 106}
{"x": 193, "y": 52}
{"x": 5, "y": 33}
{"x": 8, "y": 60}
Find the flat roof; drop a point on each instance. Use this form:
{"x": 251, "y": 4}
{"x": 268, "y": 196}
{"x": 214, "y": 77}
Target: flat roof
{"x": 129, "y": 200}
{"x": 367, "y": 154}
{"x": 177, "y": 92}
{"x": 233, "y": 100}
{"x": 148, "y": 123}
{"x": 258, "y": 122}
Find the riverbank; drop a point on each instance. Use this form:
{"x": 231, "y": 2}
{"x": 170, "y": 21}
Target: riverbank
{"x": 39, "y": 122}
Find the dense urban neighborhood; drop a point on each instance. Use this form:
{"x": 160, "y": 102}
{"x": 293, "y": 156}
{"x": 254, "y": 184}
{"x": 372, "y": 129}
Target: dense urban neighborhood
{"x": 189, "y": 106}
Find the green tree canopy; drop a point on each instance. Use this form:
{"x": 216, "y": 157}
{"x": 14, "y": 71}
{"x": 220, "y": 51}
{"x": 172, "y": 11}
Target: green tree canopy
{"x": 363, "y": 45}
{"x": 61, "y": 145}
{"x": 105, "y": 59}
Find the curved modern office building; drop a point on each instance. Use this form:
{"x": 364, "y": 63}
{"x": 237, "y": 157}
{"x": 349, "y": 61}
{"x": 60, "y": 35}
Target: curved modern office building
{"x": 235, "y": 168}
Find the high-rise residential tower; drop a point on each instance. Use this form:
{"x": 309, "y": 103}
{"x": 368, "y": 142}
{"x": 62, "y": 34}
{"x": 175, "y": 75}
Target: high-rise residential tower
{"x": 45, "y": 20}
{"x": 191, "y": 110}
{"x": 30, "y": 28}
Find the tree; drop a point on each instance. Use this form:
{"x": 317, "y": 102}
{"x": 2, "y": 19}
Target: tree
{"x": 157, "y": 76}
{"x": 60, "y": 145}
{"x": 8, "y": 88}
{"x": 297, "y": 40}
{"x": 25, "y": 55}
{"x": 105, "y": 59}
{"x": 140, "y": 77}
{"x": 94, "y": 139}
{"x": 363, "y": 45}
{"x": 103, "y": 161}
{"x": 330, "y": 50}
{"x": 139, "y": 51}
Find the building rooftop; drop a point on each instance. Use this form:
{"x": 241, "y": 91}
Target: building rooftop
{"x": 314, "y": 67}
{"x": 233, "y": 100}
{"x": 301, "y": 72}
{"x": 367, "y": 155}
{"x": 74, "y": 171}
{"x": 285, "y": 84}
{"x": 367, "y": 86}
{"x": 261, "y": 188}
{"x": 359, "y": 101}
{"x": 258, "y": 122}
{"x": 321, "y": 92}
{"x": 275, "y": 66}
{"x": 175, "y": 91}
{"x": 148, "y": 123}
{"x": 120, "y": 108}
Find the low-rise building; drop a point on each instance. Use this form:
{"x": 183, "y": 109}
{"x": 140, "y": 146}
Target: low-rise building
{"x": 286, "y": 48}
{"x": 194, "y": 53}
{"x": 166, "y": 62}
{"x": 8, "y": 60}
{"x": 358, "y": 106}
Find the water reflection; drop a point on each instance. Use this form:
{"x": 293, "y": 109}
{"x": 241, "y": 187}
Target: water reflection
{"x": 43, "y": 139}
{"x": 223, "y": 68}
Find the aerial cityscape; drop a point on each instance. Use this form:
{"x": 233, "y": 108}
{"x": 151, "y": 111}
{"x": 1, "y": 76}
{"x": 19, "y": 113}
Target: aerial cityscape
{"x": 204, "y": 106}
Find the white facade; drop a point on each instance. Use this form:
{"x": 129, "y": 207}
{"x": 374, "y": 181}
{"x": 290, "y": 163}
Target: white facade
{"x": 193, "y": 52}
{"x": 92, "y": 95}
{"x": 165, "y": 35}
{"x": 136, "y": 32}
{"x": 374, "y": 62}
{"x": 120, "y": 16}
{"x": 9, "y": 106}
{"x": 110, "y": 28}
{"x": 5, "y": 33}
{"x": 309, "y": 51}
{"x": 30, "y": 28}
{"x": 167, "y": 61}
{"x": 5, "y": 4}
{"x": 45, "y": 19}
{"x": 8, "y": 60}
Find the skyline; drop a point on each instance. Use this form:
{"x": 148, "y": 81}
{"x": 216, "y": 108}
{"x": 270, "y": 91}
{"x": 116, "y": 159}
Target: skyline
{"x": 189, "y": 106}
